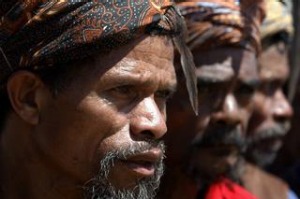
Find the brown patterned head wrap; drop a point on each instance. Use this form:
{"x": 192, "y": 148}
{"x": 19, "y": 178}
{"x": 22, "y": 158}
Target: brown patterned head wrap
{"x": 36, "y": 34}
{"x": 39, "y": 32}
{"x": 213, "y": 23}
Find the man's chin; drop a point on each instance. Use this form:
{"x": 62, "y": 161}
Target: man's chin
{"x": 104, "y": 191}
{"x": 125, "y": 180}
{"x": 264, "y": 153}
{"x": 211, "y": 163}
{"x": 263, "y": 158}
{"x": 145, "y": 188}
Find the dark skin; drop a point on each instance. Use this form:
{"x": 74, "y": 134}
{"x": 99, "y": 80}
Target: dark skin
{"x": 271, "y": 107}
{"x": 51, "y": 146}
{"x": 227, "y": 78}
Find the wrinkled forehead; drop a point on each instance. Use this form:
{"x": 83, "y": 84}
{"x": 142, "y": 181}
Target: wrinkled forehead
{"x": 151, "y": 45}
{"x": 149, "y": 63}
{"x": 225, "y": 64}
{"x": 146, "y": 54}
{"x": 273, "y": 63}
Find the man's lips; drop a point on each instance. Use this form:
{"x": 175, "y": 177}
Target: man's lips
{"x": 143, "y": 164}
{"x": 270, "y": 145}
{"x": 221, "y": 150}
{"x": 267, "y": 138}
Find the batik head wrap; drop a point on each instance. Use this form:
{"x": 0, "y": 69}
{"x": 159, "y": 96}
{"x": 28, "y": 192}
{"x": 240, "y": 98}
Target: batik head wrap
{"x": 278, "y": 19}
{"x": 40, "y": 33}
{"x": 213, "y": 23}
{"x": 36, "y": 34}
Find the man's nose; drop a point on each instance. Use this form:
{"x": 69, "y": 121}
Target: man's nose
{"x": 147, "y": 120}
{"x": 282, "y": 109}
{"x": 228, "y": 112}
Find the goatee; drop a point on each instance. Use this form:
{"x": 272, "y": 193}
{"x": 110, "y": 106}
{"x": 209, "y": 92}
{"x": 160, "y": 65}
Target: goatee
{"x": 100, "y": 187}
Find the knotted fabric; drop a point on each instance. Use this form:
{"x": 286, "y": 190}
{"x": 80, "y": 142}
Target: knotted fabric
{"x": 213, "y": 23}
{"x": 39, "y": 33}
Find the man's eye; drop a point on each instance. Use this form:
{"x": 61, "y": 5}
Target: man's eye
{"x": 209, "y": 88}
{"x": 124, "y": 92}
{"x": 269, "y": 89}
{"x": 245, "y": 90}
{"x": 203, "y": 90}
{"x": 164, "y": 94}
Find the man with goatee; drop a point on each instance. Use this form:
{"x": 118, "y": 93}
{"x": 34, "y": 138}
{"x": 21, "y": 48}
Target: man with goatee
{"x": 84, "y": 86}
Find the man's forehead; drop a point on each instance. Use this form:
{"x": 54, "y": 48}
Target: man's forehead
{"x": 273, "y": 64}
{"x": 152, "y": 44}
{"x": 248, "y": 67}
{"x": 226, "y": 63}
{"x": 217, "y": 72}
{"x": 142, "y": 59}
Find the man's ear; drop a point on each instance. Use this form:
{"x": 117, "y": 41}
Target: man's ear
{"x": 24, "y": 89}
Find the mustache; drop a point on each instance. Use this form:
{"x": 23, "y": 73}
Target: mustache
{"x": 278, "y": 130}
{"x": 221, "y": 134}
{"x": 133, "y": 149}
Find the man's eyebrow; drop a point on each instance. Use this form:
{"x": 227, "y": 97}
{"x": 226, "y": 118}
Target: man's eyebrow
{"x": 275, "y": 80}
{"x": 127, "y": 79}
{"x": 171, "y": 88}
{"x": 212, "y": 80}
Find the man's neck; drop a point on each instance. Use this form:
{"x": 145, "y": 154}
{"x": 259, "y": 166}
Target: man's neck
{"x": 35, "y": 185}
{"x": 257, "y": 181}
{"x": 24, "y": 175}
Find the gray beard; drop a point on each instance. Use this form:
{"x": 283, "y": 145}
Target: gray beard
{"x": 100, "y": 188}
{"x": 261, "y": 158}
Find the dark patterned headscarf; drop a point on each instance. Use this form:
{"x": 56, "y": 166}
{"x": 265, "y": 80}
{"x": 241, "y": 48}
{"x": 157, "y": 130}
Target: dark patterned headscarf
{"x": 35, "y": 34}
{"x": 213, "y": 23}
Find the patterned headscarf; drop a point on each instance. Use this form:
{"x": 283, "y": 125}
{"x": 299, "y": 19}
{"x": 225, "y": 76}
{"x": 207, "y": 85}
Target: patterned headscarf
{"x": 38, "y": 33}
{"x": 213, "y": 23}
{"x": 278, "y": 19}
{"x": 35, "y": 34}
